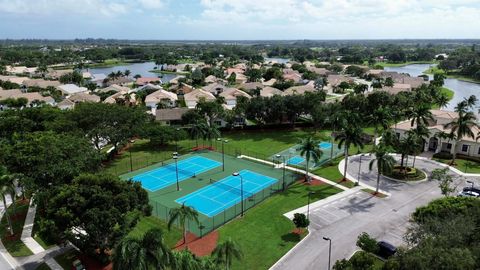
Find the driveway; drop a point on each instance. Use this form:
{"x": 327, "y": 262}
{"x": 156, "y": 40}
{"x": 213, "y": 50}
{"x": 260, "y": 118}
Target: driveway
{"x": 345, "y": 218}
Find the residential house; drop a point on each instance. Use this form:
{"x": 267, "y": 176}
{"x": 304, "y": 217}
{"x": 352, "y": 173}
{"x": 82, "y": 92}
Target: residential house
{"x": 215, "y": 88}
{"x": 70, "y": 89}
{"x": 147, "y": 80}
{"x": 397, "y": 88}
{"x": 20, "y": 70}
{"x": 270, "y": 82}
{"x": 249, "y": 86}
{"x": 171, "y": 116}
{"x": 98, "y": 79}
{"x": 84, "y": 97}
{"x": 192, "y": 98}
{"x": 300, "y": 90}
{"x": 270, "y": 92}
{"x": 466, "y": 146}
{"x": 231, "y": 95}
{"x": 40, "y": 83}
{"x": 127, "y": 96}
{"x": 292, "y": 75}
{"x": 167, "y": 99}
{"x": 113, "y": 87}
{"x": 31, "y": 97}
{"x": 13, "y": 79}
{"x": 211, "y": 79}
{"x": 120, "y": 81}
{"x": 66, "y": 104}
{"x": 335, "y": 80}
{"x": 55, "y": 74}
{"x": 176, "y": 79}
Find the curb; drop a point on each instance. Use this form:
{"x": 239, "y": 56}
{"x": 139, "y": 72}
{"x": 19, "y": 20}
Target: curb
{"x": 290, "y": 251}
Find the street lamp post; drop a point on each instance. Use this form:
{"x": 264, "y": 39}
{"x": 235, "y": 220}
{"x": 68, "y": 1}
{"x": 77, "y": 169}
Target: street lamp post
{"x": 283, "y": 158}
{"x": 241, "y": 190}
{"x": 131, "y": 163}
{"x": 223, "y": 152}
{"x": 359, "y": 168}
{"x": 470, "y": 182}
{"x": 329, "y": 250}
{"x": 308, "y": 205}
{"x": 175, "y": 157}
{"x": 176, "y": 139}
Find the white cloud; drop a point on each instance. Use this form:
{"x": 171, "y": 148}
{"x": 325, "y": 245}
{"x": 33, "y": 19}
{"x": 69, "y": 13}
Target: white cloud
{"x": 152, "y": 4}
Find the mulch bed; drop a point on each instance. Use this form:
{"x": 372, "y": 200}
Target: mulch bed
{"x": 313, "y": 182}
{"x": 199, "y": 246}
{"x": 298, "y": 231}
{"x": 93, "y": 264}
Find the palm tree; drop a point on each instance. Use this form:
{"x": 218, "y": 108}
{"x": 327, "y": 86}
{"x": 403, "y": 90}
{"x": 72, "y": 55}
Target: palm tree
{"x": 310, "y": 149}
{"x": 6, "y": 188}
{"x": 127, "y": 73}
{"x": 421, "y": 133}
{"x": 185, "y": 260}
{"x": 380, "y": 117}
{"x": 148, "y": 252}
{"x": 336, "y": 120}
{"x": 462, "y": 127}
{"x": 350, "y": 136}
{"x": 182, "y": 214}
{"x": 211, "y": 133}
{"x": 226, "y": 252}
{"x": 385, "y": 164}
{"x": 420, "y": 115}
{"x": 442, "y": 101}
{"x": 197, "y": 130}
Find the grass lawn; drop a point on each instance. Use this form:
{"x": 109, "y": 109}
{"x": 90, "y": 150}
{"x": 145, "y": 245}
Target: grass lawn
{"x": 387, "y": 64}
{"x": 167, "y": 72}
{"x": 109, "y": 63}
{"x": 146, "y": 223}
{"x": 463, "y": 165}
{"x": 43, "y": 266}
{"x": 265, "y": 224}
{"x": 13, "y": 244}
{"x": 331, "y": 172}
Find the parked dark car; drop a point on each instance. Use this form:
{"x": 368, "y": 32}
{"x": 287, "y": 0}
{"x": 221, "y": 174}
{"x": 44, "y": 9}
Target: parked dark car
{"x": 386, "y": 249}
{"x": 473, "y": 189}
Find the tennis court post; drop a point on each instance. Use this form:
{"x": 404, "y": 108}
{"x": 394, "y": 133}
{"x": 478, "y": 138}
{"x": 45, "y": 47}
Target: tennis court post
{"x": 175, "y": 157}
{"x": 241, "y": 190}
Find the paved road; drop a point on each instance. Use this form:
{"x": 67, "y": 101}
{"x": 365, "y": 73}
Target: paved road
{"x": 4, "y": 264}
{"x": 345, "y": 218}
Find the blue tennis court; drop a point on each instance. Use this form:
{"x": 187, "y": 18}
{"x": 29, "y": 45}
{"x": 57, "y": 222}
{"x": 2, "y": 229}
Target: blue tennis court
{"x": 166, "y": 175}
{"x": 325, "y": 145}
{"x": 295, "y": 160}
{"x": 225, "y": 193}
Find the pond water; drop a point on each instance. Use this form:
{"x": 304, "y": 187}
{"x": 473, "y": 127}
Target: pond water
{"x": 462, "y": 89}
{"x": 277, "y": 60}
{"x": 136, "y": 68}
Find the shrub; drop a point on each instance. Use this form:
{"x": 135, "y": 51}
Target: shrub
{"x": 300, "y": 220}
{"x": 367, "y": 243}
{"x": 443, "y": 155}
{"x": 362, "y": 260}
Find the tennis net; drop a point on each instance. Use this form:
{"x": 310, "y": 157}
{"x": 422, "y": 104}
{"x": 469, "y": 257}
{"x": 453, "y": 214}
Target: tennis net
{"x": 173, "y": 167}
{"x": 233, "y": 189}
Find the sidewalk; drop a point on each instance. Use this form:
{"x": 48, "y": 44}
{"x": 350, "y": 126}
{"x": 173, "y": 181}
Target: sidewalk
{"x": 8, "y": 261}
{"x": 280, "y": 166}
{"x": 26, "y": 237}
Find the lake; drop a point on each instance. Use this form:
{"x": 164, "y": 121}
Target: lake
{"x": 462, "y": 89}
{"x": 136, "y": 68}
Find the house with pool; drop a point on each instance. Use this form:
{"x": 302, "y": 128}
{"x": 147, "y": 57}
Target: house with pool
{"x": 466, "y": 146}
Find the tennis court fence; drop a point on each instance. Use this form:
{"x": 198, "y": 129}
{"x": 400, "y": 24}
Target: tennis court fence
{"x": 133, "y": 161}
{"x": 207, "y": 224}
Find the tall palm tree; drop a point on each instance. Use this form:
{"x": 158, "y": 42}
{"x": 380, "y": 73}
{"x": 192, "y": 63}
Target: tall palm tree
{"x": 380, "y": 117}
{"x": 442, "y": 101}
{"x": 182, "y": 214}
{"x": 6, "y": 188}
{"x": 211, "y": 133}
{"x": 420, "y": 115}
{"x": 226, "y": 252}
{"x": 421, "y": 133}
{"x": 310, "y": 149}
{"x": 350, "y": 136}
{"x": 148, "y": 252}
{"x": 462, "y": 127}
{"x": 384, "y": 162}
{"x": 336, "y": 120}
{"x": 127, "y": 73}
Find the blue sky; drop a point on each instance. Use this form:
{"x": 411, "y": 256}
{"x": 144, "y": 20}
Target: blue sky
{"x": 239, "y": 19}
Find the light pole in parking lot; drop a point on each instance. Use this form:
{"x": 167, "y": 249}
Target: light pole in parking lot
{"x": 175, "y": 157}
{"x": 241, "y": 189}
{"x": 329, "y": 250}
{"x": 470, "y": 182}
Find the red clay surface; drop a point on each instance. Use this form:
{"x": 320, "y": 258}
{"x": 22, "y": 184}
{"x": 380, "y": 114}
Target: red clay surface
{"x": 199, "y": 246}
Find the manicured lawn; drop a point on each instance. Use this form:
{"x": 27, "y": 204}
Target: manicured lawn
{"x": 13, "y": 244}
{"x": 44, "y": 243}
{"x": 331, "y": 172}
{"x": 449, "y": 93}
{"x": 463, "y": 165}
{"x": 387, "y": 64}
{"x": 264, "y": 234}
{"x": 146, "y": 223}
